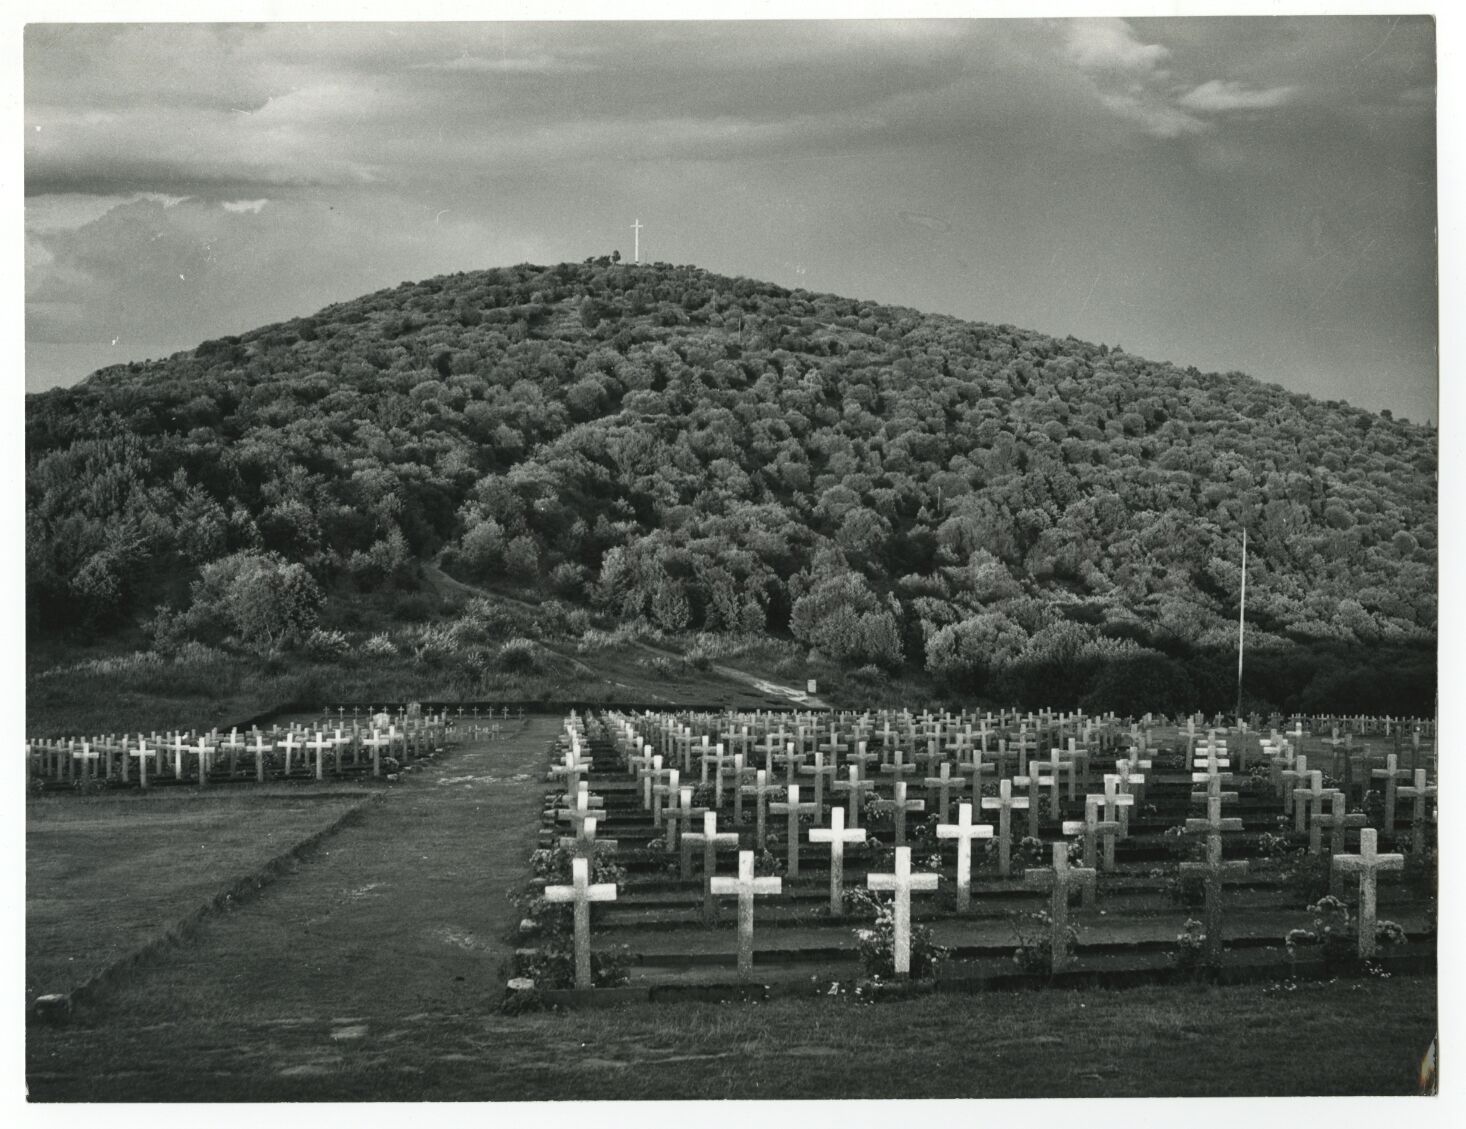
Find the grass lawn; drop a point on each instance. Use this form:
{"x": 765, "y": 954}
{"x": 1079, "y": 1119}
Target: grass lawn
{"x": 107, "y": 874}
{"x": 1344, "y": 1038}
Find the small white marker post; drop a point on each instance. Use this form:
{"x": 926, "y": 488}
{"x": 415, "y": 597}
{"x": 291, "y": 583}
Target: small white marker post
{"x": 582, "y": 893}
{"x": 902, "y": 883}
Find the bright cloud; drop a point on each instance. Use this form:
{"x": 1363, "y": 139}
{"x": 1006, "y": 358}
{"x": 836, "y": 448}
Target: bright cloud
{"x": 1111, "y": 45}
{"x": 251, "y": 206}
{"x": 1219, "y": 95}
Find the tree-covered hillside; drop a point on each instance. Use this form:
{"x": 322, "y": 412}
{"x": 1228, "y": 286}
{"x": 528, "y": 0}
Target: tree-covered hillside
{"x": 1016, "y": 514}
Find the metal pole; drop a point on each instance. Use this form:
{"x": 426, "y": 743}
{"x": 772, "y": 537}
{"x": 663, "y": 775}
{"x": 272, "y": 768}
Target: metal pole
{"x": 1241, "y": 624}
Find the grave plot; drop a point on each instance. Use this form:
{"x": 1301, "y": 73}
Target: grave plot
{"x": 338, "y": 747}
{"x": 704, "y": 855}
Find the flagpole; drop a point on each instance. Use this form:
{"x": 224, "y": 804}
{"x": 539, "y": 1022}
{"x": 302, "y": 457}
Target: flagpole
{"x": 1241, "y": 624}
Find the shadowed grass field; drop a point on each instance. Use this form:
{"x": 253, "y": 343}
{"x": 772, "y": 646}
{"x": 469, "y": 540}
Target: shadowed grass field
{"x": 1344, "y": 1038}
{"x": 107, "y": 874}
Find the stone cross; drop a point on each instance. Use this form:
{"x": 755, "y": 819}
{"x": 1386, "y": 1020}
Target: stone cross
{"x": 1213, "y": 870}
{"x": 1292, "y": 779}
{"x": 679, "y": 820}
{"x": 1004, "y": 802}
{"x": 88, "y": 756}
{"x": 759, "y": 790}
{"x": 861, "y": 758}
{"x": 710, "y": 840}
{"x": 584, "y": 842}
{"x": 1053, "y": 766}
{"x": 1131, "y": 784}
{"x": 179, "y": 746}
{"x": 1092, "y": 828}
{"x": 902, "y": 883}
{"x": 1367, "y": 864}
{"x": 722, "y": 762}
{"x": 1419, "y": 792}
{"x": 1391, "y": 774}
{"x": 583, "y": 806}
{"x": 375, "y": 743}
{"x": 289, "y": 744}
{"x": 897, "y": 767}
{"x": 944, "y": 785}
{"x": 142, "y": 752}
{"x": 1315, "y": 793}
{"x": 793, "y": 809}
{"x": 899, "y": 806}
{"x": 964, "y": 831}
{"x": 582, "y": 893}
{"x": 747, "y": 887}
{"x": 1059, "y": 880}
{"x": 1116, "y": 803}
{"x": 1032, "y": 783}
{"x": 739, "y": 774}
{"x": 854, "y": 787}
{"x": 820, "y": 771}
{"x": 791, "y": 758}
{"x": 667, "y": 790}
{"x": 1338, "y": 822}
{"x": 572, "y": 768}
{"x": 650, "y": 777}
{"x": 837, "y": 836}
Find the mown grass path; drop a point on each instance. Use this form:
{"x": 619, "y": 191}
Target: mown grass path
{"x": 399, "y": 916}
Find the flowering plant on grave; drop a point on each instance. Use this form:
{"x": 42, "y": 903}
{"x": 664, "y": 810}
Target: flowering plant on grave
{"x": 877, "y": 944}
{"x": 1034, "y": 931}
{"x": 1271, "y": 846}
{"x": 1389, "y": 933}
{"x": 1076, "y": 850}
{"x": 1190, "y": 951}
{"x": 766, "y": 864}
{"x": 556, "y": 866}
{"x": 858, "y": 902}
{"x": 1030, "y": 852}
{"x": 879, "y": 856}
{"x": 1333, "y": 930}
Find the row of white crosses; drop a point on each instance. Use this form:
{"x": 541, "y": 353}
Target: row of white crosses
{"x": 155, "y": 751}
{"x": 837, "y": 836}
{"x": 941, "y": 786}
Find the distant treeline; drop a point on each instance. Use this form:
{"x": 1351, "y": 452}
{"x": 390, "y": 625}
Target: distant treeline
{"x": 1019, "y": 516}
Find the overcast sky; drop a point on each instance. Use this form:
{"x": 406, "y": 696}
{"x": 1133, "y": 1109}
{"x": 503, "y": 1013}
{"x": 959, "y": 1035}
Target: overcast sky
{"x": 1253, "y": 194}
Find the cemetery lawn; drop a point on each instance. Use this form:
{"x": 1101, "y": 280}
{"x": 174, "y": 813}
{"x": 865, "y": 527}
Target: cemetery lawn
{"x": 108, "y": 874}
{"x": 1345, "y": 1038}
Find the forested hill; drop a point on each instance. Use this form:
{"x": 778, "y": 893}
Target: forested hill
{"x": 718, "y": 454}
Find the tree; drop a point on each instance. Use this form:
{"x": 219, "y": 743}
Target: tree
{"x": 267, "y": 602}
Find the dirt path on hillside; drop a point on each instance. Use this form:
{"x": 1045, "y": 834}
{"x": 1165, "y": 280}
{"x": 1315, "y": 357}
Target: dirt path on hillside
{"x": 775, "y": 690}
{"x": 400, "y": 916}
